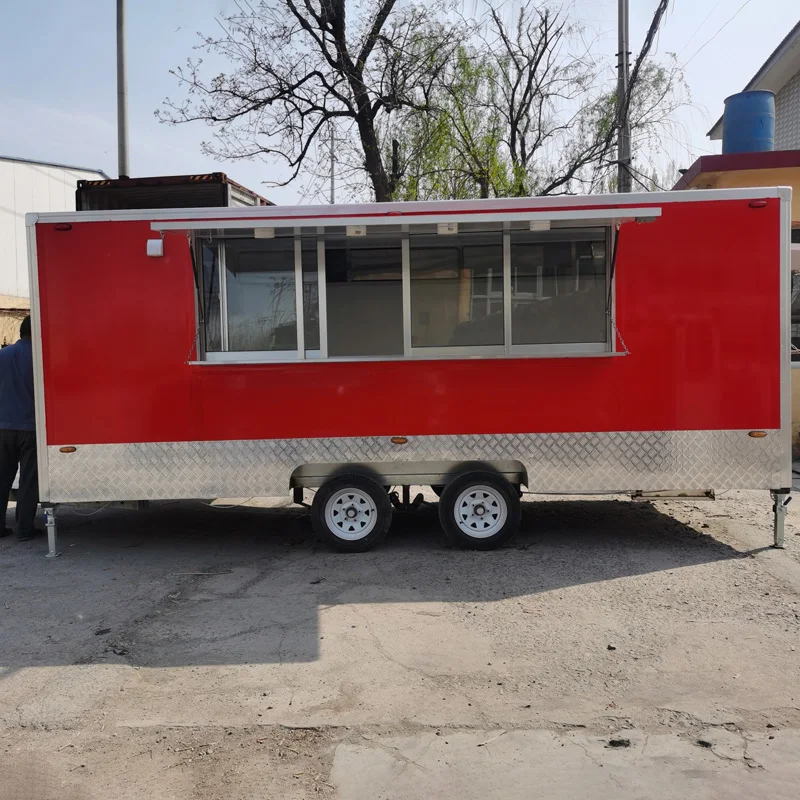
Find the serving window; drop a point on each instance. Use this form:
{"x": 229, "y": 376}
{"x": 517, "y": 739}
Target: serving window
{"x": 558, "y": 288}
{"x": 456, "y": 291}
{"x": 364, "y": 287}
{"x": 413, "y": 291}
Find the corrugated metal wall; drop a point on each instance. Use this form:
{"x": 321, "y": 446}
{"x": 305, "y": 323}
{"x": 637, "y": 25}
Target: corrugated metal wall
{"x": 26, "y": 187}
{"x": 187, "y": 195}
{"x": 787, "y": 116}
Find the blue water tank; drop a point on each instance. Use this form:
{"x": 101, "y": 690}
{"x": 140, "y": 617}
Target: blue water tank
{"x": 748, "y": 125}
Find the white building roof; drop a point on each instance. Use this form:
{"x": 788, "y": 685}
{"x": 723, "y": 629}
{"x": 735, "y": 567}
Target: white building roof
{"x": 28, "y": 186}
{"x": 53, "y": 164}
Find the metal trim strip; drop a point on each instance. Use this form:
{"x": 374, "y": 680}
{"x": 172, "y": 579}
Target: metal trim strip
{"x": 223, "y": 295}
{"x": 299, "y": 299}
{"x": 786, "y": 333}
{"x": 322, "y": 295}
{"x": 38, "y": 365}
{"x": 252, "y": 357}
{"x": 596, "y": 350}
{"x": 507, "y": 308}
{"x": 406, "y": 287}
{"x": 599, "y": 215}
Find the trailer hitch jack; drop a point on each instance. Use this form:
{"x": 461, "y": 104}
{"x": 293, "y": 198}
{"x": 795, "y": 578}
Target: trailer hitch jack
{"x": 52, "y": 531}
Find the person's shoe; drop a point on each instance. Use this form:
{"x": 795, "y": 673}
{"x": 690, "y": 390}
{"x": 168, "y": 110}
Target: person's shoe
{"x": 5, "y": 532}
{"x": 25, "y": 537}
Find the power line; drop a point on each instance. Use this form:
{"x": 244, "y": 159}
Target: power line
{"x": 700, "y": 26}
{"x": 739, "y": 11}
{"x": 644, "y": 52}
{"x": 626, "y": 86}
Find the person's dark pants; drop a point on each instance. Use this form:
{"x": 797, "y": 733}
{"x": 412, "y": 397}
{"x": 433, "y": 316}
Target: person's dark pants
{"x": 19, "y": 448}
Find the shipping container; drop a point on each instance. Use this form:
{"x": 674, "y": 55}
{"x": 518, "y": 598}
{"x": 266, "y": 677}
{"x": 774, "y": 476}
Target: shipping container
{"x": 214, "y": 189}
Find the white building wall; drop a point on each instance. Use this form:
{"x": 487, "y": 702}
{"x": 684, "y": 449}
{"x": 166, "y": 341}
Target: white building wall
{"x": 787, "y": 116}
{"x": 26, "y": 187}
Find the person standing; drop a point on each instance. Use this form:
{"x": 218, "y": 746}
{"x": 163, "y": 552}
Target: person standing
{"x": 18, "y": 433}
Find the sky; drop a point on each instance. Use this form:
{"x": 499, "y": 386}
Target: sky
{"x": 58, "y": 93}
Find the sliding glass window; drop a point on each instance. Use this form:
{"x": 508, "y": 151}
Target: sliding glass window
{"x": 559, "y": 288}
{"x": 414, "y": 291}
{"x": 210, "y": 302}
{"x": 310, "y": 268}
{"x": 260, "y": 294}
{"x": 456, "y": 290}
{"x": 364, "y": 295}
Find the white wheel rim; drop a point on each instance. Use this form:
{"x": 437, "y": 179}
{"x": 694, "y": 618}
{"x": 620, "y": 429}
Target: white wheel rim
{"x": 480, "y": 511}
{"x": 351, "y": 514}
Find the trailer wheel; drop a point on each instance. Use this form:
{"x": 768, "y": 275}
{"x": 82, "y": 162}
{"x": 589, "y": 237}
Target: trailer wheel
{"x": 351, "y": 512}
{"x": 480, "y": 510}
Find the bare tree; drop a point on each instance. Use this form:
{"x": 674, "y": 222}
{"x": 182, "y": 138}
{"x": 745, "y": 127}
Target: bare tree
{"x": 301, "y": 66}
{"x": 424, "y": 103}
{"x": 545, "y": 97}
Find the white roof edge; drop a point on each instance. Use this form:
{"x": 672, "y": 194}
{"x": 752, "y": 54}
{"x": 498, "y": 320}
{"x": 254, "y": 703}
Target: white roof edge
{"x": 781, "y": 66}
{"x": 54, "y": 164}
{"x": 399, "y": 213}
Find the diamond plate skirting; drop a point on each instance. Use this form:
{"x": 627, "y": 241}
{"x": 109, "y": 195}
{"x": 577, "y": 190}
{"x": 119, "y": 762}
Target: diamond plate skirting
{"x": 573, "y": 462}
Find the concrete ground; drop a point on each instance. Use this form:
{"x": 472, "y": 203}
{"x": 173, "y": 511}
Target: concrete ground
{"x": 614, "y": 650}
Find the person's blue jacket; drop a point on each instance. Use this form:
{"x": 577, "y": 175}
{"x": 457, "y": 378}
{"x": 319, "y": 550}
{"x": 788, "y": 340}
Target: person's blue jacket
{"x": 16, "y": 387}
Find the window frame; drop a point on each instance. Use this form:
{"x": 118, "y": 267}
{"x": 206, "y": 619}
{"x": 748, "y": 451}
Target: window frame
{"x": 506, "y": 350}
{"x": 571, "y": 348}
{"x": 455, "y": 351}
{"x": 359, "y": 244}
{"x": 225, "y": 355}
{"x": 200, "y": 306}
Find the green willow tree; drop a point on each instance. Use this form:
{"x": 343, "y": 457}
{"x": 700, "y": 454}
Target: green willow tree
{"x": 455, "y": 150}
{"x": 524, "y": 110}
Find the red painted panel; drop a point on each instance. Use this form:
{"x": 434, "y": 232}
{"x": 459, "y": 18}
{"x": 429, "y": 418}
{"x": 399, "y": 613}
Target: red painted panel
{"x": 697, "y": 300}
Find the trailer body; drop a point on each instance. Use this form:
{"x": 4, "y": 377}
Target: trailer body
{"x": 686, "y": 393}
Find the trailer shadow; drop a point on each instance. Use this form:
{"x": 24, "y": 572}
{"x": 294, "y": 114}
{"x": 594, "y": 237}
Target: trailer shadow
{"x": 184, "y": 585}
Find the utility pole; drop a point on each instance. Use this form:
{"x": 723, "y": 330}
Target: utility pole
{"x": 623, "y": 87}
{"x": 122, "y": 96}
{"x": 333, "y": 168}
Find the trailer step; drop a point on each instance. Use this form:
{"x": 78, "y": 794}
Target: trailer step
{"x": 708, "y": 494}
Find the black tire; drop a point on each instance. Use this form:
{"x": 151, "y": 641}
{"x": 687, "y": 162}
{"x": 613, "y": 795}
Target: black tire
{"x": 379, "y": 516}
{"x": 500, "y": 493}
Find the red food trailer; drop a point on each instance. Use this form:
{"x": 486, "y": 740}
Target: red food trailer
{"x": 601, "y": 344}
